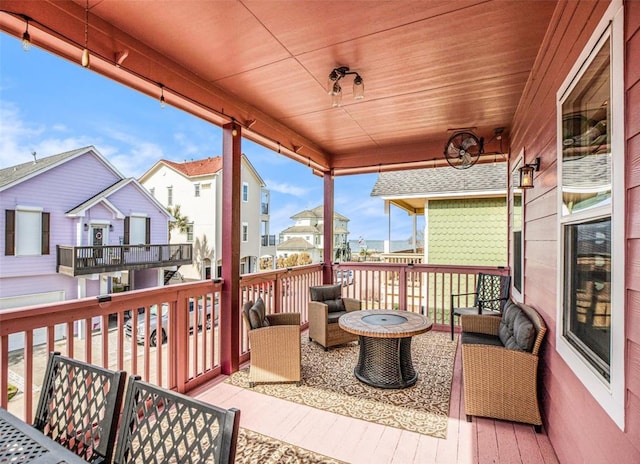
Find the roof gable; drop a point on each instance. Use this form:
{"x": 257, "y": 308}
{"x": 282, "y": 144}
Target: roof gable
{"x": 21, "y": 172}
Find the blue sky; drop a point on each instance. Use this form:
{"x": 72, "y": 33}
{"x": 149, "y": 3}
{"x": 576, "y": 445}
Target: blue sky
{"x": 50, "y": 105}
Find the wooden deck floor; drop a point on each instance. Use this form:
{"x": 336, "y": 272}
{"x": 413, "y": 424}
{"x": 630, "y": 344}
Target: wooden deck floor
{"x": 360, "y": 442}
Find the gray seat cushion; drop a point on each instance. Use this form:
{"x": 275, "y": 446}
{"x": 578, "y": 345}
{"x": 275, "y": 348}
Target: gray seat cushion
{"x": 334, "y": 316}
{"x": 517, "y": 332}
{"x": 471, "y": 338}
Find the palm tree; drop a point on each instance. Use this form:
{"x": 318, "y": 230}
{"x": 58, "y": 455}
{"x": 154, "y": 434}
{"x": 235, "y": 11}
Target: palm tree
{"x": 181, "y": 223}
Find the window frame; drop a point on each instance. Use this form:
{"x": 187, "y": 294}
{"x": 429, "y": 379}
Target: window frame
{"x": 514, "y": 187}
{"x": 196, "y": 190}
{"x": 244, "y": 232}
{"x": 245, "y": 192}
{"x": 610, "y": 395}
{"x": 190, "y": 232}
{"x": 170, "y": 195}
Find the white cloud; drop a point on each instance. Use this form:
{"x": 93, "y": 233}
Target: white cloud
{"x": 287, "y": 189}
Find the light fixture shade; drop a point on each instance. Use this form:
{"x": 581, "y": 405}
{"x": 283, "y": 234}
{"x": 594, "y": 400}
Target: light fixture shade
{"x": 336, "y": 97}
{"x": 526, "y": 176}
{"x": 358, "y": 88}
{"x": 86, "y": 59}
{"x": 26, "y": 41}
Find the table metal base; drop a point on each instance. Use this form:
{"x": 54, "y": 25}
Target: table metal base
{"x": 386, "y": 362}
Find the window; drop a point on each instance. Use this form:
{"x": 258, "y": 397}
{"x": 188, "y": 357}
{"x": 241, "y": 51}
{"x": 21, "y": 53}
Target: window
{"x": 169, "y": 196}
{"x": 245, "y": 192}
{"x": 137, "y": 230}
{"x": 517, "y": 236}
{"x": 196, "y": 191}
{"x": 189, "y": 232}
{"x": 152, "y": 190}
{"x": 245, "y": 232}
{"x": 590, "y": 335}
{"x": 26, "y": 232}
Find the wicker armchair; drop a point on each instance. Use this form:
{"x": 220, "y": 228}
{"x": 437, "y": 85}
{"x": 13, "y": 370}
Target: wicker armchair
{"x": 325, "y": 308}
{"x": 275, "y": 347}
{"x": 500, "y": 382}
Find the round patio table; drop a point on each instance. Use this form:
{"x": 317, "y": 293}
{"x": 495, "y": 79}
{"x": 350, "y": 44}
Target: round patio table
{"x": 385, "y": 345}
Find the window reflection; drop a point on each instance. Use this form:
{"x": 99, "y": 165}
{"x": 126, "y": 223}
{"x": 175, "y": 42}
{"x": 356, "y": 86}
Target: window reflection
{"x": 586, "y": 138}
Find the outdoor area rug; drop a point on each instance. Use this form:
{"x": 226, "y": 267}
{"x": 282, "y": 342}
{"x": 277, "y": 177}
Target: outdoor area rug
{"x": 255, "y": 448}
{"x": 328, "y": 383}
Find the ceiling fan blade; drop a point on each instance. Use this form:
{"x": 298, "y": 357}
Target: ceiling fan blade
{"x": 468, "y": 142}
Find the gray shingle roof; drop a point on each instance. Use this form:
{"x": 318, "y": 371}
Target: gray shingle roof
{"x": 481, "y": 177}
{"x": 295, "y": 243}
{"x": 18, "y": 172}
{"x": 318, "y": 212}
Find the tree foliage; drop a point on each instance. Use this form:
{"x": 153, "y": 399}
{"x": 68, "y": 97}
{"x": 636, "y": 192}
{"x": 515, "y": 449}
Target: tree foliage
{"x": 181, "y": 223}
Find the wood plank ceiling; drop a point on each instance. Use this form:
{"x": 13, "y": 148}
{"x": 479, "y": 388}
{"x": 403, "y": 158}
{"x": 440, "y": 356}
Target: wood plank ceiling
{"x": 428, "y": 67}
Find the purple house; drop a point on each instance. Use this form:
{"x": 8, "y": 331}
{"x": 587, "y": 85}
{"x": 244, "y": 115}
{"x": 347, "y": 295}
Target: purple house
{"x": 72, "y": 226}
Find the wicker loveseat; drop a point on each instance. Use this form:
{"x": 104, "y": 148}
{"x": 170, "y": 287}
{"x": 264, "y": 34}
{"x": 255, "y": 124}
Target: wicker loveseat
{"x": 500, "y": 364}
{"x": 325, "y": 308}
{"x": 274, "y": 340}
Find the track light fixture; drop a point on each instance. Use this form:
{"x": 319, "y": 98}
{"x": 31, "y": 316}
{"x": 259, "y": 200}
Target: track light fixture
{"x": 526, "y": 174}
{"x": 26, "y": 38}
{"x": 335, "y": 90}
{"x": 86, "y": 59}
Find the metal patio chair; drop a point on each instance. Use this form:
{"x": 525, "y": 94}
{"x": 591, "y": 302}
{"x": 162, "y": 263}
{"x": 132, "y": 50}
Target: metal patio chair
{"x": 160, "y": 425}
{"x": 490, "y": 296}
{"x": 79, "y": 407}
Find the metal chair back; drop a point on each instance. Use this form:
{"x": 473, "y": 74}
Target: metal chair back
{"x": 160, "y": 425}
{"x": 492, "y": 292}
{"x": 79, "y": 407}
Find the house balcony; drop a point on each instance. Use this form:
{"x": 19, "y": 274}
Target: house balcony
{"x": 104, "y": 331}
{"x": 83, "y": 260}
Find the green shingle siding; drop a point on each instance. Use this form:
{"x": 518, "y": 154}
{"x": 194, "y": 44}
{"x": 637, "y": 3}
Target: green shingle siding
{"x": 468, "y": 232}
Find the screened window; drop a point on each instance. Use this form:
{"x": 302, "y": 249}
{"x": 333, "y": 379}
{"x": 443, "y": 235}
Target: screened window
{"x": 245, "y": 191}
{"x": 190, "y": 233}
{"x": 138, "y": 230}
{"x": 196, "y": 191}
{"x": 245, "y": 232}
{"x": 169, "y": 196}
{"x": 28, "y": 233}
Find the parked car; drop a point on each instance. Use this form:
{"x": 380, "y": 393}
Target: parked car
{"x": 153, "y": 324}
{"x": 344, "y": 278}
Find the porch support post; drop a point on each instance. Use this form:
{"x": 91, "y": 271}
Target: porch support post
{"x": 327, "y": 230}
{"x": 230, "y": 301}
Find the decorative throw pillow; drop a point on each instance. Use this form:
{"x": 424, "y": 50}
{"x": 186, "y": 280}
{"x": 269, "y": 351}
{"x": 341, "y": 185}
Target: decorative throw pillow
{"x": 257, "y": 315}
{"x": 329, "y": 295}
{"x": 516, "y": 332}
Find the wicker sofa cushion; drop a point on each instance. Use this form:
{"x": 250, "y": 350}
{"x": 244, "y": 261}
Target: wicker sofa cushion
{"x": 331, "y": 295}
{"x": 334, "y": 316}
{"x": 517, "y": 332}
{"x": 257, "y": 315}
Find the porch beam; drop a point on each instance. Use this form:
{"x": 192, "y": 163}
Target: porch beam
{"x": 327, "y": 229}
{"x": 230, "y": 301}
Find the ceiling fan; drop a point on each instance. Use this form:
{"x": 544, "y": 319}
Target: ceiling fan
{"x": 463, "y": 149}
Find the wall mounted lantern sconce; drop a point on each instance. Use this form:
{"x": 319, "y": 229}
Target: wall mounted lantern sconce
{"x": 110, "y": 227}
{"x": 86, "y": 227}
{"x": 526, "y": 174}
{"x": 335, "y": 90}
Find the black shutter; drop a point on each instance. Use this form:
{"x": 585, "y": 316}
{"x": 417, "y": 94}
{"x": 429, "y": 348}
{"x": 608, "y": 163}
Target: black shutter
{"x": 147, "y": 232}
{"x": 45, "y": 233}
{"x": 10, "y": 232}
{"x": 126, "y": 230}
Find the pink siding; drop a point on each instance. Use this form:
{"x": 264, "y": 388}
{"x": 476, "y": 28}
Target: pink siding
{"x": 579, "y": 429}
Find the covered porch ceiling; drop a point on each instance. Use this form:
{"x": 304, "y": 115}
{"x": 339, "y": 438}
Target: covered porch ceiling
{"x": 429, "y": 67}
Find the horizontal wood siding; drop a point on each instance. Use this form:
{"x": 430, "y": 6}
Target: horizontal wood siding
{"x": 130, "y": 199}
{"x": 579, "y": 429}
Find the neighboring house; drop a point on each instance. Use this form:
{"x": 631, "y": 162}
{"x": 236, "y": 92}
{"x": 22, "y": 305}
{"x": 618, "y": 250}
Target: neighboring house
{"x": 196, "y": 186}
{"x": 64, "y": 223}
{"x": 465, "y": 211}
{"x": 306, "y": 235}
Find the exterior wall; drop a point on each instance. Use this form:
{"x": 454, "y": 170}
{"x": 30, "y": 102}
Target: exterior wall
{"x": 250, "y": 214}
{"x": 468, "y": 232}
{"x": 579, "y": 428}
